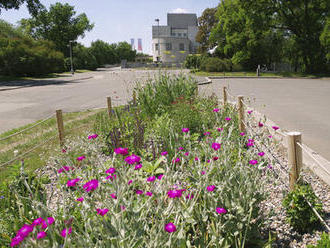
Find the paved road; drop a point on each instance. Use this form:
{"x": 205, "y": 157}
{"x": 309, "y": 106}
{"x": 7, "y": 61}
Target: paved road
{"x": 294, "y": 104}
{"x": 28, "y": 101}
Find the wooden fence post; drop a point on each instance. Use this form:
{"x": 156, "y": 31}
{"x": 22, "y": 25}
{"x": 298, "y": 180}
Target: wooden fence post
{"x": 294, "y": 157}
{"x": 109, "y": 106}
{"x": 224, "y": 90}
{"x": 240, "y": 109}
{"x": 134, "y": 97}
{"x": 60, "y": 126}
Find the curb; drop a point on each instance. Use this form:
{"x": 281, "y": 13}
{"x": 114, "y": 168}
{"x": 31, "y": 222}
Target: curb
{"x": 208, "y": 81}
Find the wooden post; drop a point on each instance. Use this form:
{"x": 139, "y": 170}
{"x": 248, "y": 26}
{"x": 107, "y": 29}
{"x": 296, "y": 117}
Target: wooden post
{"x": 240, "y": 109}
{"x": 60, "y": 126}
{"x": 134, "y": 97}
{"x": 294, "y": 157}
{"x": 109, "y": 106}
{"x": 224, "y": 90}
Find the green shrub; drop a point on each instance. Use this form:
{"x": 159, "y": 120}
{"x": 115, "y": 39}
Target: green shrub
{"x": 299, "y": 214}
{"x": 193, "y": 61}
{"x": 213, "y": 64}
{"x": 324, "y": 242}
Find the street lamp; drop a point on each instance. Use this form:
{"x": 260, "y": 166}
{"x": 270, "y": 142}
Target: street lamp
{"x": 72, "y": 71}
{"x": 158, "y": 58}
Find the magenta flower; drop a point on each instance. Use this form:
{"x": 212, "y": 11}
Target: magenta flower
{"x": 177, "y": 160}
{"x": 101, "y": 211}
{"x": 149, "y": 193}
{"x": 221, "y": 210}
{"x": 164, "y": 153}
{"x": 121, "y": 150}
{"x": 81, "y": 158}
{"x": 50, "y": 220}
{"x": 220, "y": 129}
{"x": 160, "y": 177}
{"x": 215, "y": 158}
{"x": 216, "y": 146}
{"x": 196, "y": 158}
{"x": 177, "y": 193}
{"x": 210, "y": 188}
{"x": 275, "y": 127}
{"x": 253, "y": 162}
{"x": 66, "y": 232}
{"x": 270, "y": 136}
{"x": 190, "y": 196}
{"x": 80, "y": 199}
{"x": 110, "y": 171}
{"x": 37, "y": 222}
{"x": 138, "y": 166}
{"x": 132, "y": 159}
{"x": 129, "y": 182}
{"x": 93, "y": 136}
{"x": 170, "y": 227}
{"x": 63, "y": 151}
{"x": 16, "y": 241}
{"x": 250, "y": 111}
{"x": 260, "y": 124}
{"x": 203, "y": 172}
{"x": 91, "y": 185}
{"x": 111, "y": 177}
{"x": 64, "y": 168}
{"x": 186, "y": 153}
{"x": 122, "y": 207}
{"x": 270, "y": 166}
{"x": 73, "y": 182}
{"x": 25, "y": 230}
{"x": 207, "y": 133}
{"x": 185, "y": 130}
{"x": 242, "y": 134}
{"x": 151, "y": 179}
{"x": 216, "y": 110}
{"x": 180, "y": 148}
{"x": 139, "y": 192}
{"x": 113, "y": 196}
{"x": 41, "y": 235}
{"x": 261, "y": 154}
{"x": 227, "y": 118}
{"x": 209, "y": 161}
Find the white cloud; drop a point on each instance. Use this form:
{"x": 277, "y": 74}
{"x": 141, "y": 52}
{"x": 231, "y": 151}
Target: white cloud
{"x": 179, "y": 11}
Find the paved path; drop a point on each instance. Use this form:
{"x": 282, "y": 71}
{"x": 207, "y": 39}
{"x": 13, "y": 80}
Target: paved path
{"x": 294, "y": 104}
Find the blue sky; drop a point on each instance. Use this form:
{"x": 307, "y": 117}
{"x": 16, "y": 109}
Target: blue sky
{"x": 120, "y": 20}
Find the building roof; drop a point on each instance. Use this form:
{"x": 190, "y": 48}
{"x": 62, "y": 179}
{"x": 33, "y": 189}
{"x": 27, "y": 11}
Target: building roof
{"x": 181, "y": 20}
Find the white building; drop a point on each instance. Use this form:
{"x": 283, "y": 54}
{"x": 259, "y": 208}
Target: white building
{"x": 176, "y": 40}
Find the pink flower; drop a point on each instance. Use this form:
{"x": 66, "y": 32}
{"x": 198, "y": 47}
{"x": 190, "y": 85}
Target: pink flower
{"x": 121, "y": 150}
{"x": 122, "y": 207}
{"x": 227, "y": 118}
{"x": 269, "y": 166}
{"x": 177, "y": 160}
{"x": 73, "y": 182}
{"x": 203, "y": 172}
{"x": 250, "y": 111}
{"x": 93, "y": 136}
{"x": 275, "y": 127}
{"x": 185, "y": 130}
{"x": 177, "y": 193}
{"x": 209, "y": 161}
{"x": 210, "y": 188}
{"x": 50, "y": 220}
{"x": 81, "y": 158}
{"x": 37, "y": 222}
{"x": 101, "y": 211}
{"x": 132, "y": 159}
{"x": 221, "y": 210}
{"x": 220, "y": 129}
{"x": 216, "y": 110}
{"x": 170, "y": 227}
{"x": 186, "y": 153}
{"x": 270, "y": 136}
{"x": 260, "y": 124}
{"x": 160, "y": 177}
{"x": 180, "y": 148}
{"x": 113, "y": 196}
{"x": 25, "y": 230}
{"x": 41, "y": 235}
{"x": 138, "y": 166}
{"x": 242, "y": 134}
{"x": 91, "y": 185}
{"x": 216, "y": 146}
{"x": 64, "y": 168}
{"x": 16, "y": 241}
{"x": 190, "y": 196}
{"x": 196, "y": 158}
{"x": 63, "y": 151}
{"x": 164, "y": 153}
{"x": 66, "y": 232}
{"x": 130, "y": 181}
{"x": 111, "y": 177}
{"x": 139, "y": 192}
{"x": 253, "y": 162}
{"x": 215, "y": 158}
{"x": 151, "y": 179}
{"x": 81, "y": 199}
{"x": 149, "y": 193}
{"x": 110, "y": 171}
{"x": 207, "y": 133}
{"x": 261, "y": 154}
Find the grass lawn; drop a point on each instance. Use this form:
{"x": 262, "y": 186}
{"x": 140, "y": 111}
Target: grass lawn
{"x": 253, "y": 74}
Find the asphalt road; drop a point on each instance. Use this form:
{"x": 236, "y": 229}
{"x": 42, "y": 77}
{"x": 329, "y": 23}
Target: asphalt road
{"x": 294, "y": 104}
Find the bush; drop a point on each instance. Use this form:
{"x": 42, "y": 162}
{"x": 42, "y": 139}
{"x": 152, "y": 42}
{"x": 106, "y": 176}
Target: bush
{"x": 83, "y": 58}
{"x": 299, "y": 214}
{"x": 213, "y": 64}
{"x": 193, "y": 61}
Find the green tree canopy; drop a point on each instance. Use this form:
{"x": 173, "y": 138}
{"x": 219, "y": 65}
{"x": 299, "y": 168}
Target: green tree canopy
{"x": 58, "y": 24}
{"x": 34, "y": 6}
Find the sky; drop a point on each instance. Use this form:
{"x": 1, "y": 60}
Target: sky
{"x": 121, "y": 20}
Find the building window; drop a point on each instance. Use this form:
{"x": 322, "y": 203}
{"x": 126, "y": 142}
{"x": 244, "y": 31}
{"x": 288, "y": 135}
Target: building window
{"x": 179, "y": 34}
{"x": 185, "y": 35}
{"x": 156, "y": 47}
{"x": 168, "y": 46}
{"x": 181, "y": 47}
{"x": 173, "y": 34}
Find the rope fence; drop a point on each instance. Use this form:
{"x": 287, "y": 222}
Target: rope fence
{"x": 295, "y": 149}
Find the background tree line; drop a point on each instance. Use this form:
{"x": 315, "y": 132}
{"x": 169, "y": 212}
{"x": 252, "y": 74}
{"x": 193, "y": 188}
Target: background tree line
{"x": 40, "y": 44}
{"x": 249, "y": 32}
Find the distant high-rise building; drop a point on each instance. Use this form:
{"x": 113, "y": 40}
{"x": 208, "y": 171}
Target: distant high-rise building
{"x": 132, "y": 44}
{"x": 173, "y": 43}
{"x": 140, "y": 45}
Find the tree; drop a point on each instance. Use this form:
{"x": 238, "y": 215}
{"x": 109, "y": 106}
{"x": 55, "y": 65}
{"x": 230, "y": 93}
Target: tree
{"x": 83, "y": 58}
{"x": 104, "y": 52}
{"x": 206, "y": 22}
{"x": 325, "y": 38}
{"x": 124, "y": 51}
{"x": 58, "y": 24}
{"x": 34, "y": 6}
